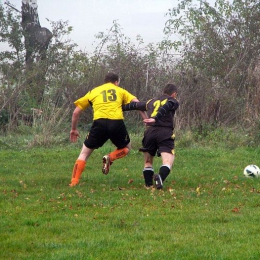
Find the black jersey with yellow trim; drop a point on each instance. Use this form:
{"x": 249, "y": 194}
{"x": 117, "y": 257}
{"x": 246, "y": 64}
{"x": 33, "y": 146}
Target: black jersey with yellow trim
{"x": 166, "y": 111}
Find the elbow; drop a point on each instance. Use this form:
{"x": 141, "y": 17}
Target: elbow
{"x": 76, "y": 112}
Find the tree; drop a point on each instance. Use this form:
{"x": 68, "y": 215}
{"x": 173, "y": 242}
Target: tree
{"x": 37, "y": 38}
{"x": 219, "y": 45}
{"x": 36, "y": 44}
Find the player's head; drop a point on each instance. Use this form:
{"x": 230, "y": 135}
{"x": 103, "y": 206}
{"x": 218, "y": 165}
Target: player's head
{"x": 111, "y": 77}
{"x": 169, "y": 89}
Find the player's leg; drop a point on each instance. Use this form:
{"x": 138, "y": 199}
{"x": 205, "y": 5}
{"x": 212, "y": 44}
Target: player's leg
{"x": 166, "y": 151}
{"x": 95, "y": 139}
{"x": 120, "y": 138}
{"x": 148, "y": 171}
{"x": 80, "y": 164}
{"x": 149, "y": 150}
{"x": 116, "y": 154}
{"x": 120, "y": 152}
{"x": 167, "y": 162}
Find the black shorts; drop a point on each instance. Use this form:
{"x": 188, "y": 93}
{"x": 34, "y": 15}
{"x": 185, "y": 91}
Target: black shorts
{"x": 104, "y": 129}
{"x": 158, "y": 139}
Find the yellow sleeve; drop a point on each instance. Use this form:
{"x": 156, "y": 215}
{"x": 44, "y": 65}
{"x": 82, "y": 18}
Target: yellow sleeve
{"x": 83, "y": 102}
{"x": 128, "y": 97}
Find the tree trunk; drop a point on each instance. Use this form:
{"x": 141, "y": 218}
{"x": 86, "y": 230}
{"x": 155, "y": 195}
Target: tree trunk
{"x": 37, "y": 40}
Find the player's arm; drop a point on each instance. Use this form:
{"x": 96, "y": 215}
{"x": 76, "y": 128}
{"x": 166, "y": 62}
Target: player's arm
{"x": 135, "y": 104}
{"x": 141, "y": 107}
{"x": 74, "y": 134}
{"x": 163, "y": 110}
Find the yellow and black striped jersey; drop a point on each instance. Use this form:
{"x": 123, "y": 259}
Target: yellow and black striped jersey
{"x": 106, "y": 101}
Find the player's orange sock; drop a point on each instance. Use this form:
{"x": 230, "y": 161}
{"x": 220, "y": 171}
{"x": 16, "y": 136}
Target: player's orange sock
{"x": 118, "y": 153}
{"x": 79, "y": 167}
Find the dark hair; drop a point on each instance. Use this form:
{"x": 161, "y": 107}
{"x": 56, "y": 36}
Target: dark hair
{"x": 111, "y": 77}
{"x": 169, "y": 89}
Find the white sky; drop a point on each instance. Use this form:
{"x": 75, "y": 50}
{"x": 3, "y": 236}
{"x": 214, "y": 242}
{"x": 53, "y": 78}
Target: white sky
{"x": 89, "y": 17}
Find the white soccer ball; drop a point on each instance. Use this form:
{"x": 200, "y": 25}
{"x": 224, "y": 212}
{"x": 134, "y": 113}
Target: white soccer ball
{"x": 252, "y": 171}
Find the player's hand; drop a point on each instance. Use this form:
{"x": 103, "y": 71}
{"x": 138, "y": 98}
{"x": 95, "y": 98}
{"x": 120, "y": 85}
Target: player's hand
{"x": 149, "y": 120}
{"x": 74, "y": 134}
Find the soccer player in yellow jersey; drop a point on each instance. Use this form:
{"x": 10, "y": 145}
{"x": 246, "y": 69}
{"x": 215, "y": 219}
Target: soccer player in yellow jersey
{"x": 106, "y": 101}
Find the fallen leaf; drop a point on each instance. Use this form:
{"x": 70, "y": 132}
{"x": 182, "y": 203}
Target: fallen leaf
{"x": 235, "y": 210}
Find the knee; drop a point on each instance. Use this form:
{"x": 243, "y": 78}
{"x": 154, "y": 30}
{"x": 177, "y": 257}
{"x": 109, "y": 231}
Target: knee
{"x": 127, "y": 150}
{"x": 128, "y": 147}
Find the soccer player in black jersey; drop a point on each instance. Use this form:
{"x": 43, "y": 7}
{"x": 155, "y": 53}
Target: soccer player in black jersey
{"x": 158, "y": 137}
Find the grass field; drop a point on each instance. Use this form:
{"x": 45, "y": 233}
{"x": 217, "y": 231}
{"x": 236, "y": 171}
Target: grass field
{"x": 207, "y": 209}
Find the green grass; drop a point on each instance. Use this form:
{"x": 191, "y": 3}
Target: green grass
{"x": 207, "y": 210}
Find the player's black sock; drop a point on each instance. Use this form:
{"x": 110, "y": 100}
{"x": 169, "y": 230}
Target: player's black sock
{"x": 148, "y": 176}
{"x": 164, "y": 172}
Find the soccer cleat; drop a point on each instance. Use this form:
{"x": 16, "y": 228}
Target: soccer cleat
{"x": 158, "y": 181}
{"x": 106, "y": 164}
{"x": 74, "y": 183}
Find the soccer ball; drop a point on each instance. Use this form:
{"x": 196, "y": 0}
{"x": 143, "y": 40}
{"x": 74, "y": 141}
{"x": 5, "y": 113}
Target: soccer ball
{"x": 252, "y": 171}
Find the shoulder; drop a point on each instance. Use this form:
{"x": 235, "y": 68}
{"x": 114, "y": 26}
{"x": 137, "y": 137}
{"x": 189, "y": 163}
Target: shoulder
{"x": 121, "y": 89}
{"x": 126, "y": 92}
{"x": 173, "y": 100}
{"x": 174, "y": 103}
